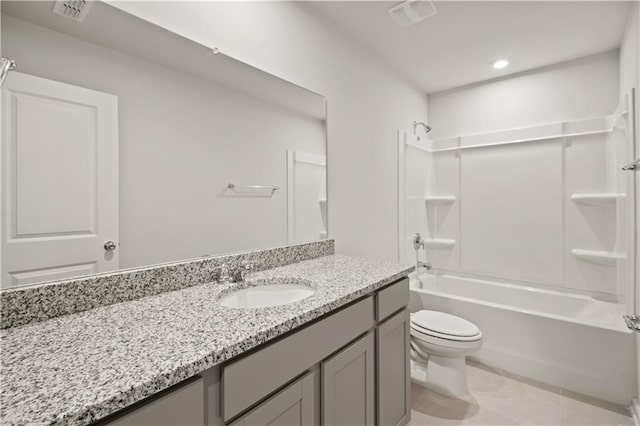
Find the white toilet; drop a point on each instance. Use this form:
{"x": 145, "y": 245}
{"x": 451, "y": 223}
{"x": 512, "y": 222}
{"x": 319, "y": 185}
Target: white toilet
{"x": 439, "y": 344}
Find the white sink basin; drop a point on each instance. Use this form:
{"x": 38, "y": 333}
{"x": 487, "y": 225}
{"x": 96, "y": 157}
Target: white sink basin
{"x": 266, "y": 295}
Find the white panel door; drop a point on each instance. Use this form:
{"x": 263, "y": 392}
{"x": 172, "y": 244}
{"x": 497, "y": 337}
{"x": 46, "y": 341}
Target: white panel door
{"x": 59, "y": 180}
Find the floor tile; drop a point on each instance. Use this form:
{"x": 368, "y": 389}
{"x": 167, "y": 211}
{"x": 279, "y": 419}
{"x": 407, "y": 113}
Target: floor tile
{"x": 416, "y": 393}
{"x": 519, "y": 401}
{"x": 576, "y": 412}
{"x": 434, "y": 405}
{"x": 479, "y": 417}
{"x": 499, "y": 398}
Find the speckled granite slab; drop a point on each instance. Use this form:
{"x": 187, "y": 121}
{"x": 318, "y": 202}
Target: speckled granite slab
{"x": 41, "y": 302}
{"x": 77, "y": 368}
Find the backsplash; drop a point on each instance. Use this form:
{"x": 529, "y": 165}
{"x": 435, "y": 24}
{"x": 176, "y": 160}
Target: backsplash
{"x": 26, "y": 305}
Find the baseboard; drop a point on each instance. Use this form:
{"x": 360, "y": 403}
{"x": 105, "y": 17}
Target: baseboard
{"x": 635, "y": 411}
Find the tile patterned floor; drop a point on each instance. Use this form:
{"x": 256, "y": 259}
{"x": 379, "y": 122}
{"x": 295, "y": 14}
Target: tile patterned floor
{"x": 498, "y": 398}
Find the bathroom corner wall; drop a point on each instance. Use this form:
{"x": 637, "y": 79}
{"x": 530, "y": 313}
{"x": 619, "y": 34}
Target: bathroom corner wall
{"x": 367, "y": 102}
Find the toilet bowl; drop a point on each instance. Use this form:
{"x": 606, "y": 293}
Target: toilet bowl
{"x": 439, "y": 344}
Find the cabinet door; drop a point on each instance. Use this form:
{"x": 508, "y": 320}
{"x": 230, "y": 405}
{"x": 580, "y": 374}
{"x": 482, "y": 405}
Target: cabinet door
{"x": 293, "y": 406}
{"x": 348, "y": 387}
{"x": 394, "y": 377}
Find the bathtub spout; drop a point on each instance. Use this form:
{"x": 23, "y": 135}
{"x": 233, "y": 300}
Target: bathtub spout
{"x": 425, "y": 265}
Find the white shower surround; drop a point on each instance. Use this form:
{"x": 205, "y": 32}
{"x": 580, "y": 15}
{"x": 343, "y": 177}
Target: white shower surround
{"x": 570, "y": 341}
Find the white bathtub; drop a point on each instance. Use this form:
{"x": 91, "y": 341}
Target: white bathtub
{"x": 570, "y": 341}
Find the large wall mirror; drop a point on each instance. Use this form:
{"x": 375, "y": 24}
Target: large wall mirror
{"x": 126, "y": 145}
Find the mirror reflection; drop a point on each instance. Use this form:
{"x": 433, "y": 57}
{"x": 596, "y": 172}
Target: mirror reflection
{"x": 122, "y": 151}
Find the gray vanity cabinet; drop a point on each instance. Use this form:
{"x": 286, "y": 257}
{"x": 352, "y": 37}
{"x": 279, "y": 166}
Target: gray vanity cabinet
{"x": 348, "y": 385}
{"x": 348, "y": 368}
{"x": 292, "y": 406}
{"x": 183, "y": 404}
{"x": 393, "y": 365}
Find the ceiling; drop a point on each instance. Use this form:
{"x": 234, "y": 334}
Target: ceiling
{"x": 457, "y": 45}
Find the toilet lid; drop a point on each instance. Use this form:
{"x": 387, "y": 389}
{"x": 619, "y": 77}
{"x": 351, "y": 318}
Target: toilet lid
{"x": 443, "y": 323}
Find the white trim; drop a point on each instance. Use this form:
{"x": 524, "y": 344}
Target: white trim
{"x": 291, "y": 204}
{"x": 402, "y": 143}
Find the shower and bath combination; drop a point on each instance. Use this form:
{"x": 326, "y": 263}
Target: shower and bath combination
{"x": 6, "y": 66}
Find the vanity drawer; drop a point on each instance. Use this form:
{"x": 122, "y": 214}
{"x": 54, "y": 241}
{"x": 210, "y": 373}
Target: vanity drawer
{"x": 392, "y": 298}
{"x": 255, "y": 376}
{"x": 182, "y": 404}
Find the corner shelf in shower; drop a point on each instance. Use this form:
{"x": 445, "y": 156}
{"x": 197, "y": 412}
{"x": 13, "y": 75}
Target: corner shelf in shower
{"x": 601, "y": 257}
{"x": 603, "y": 199}
{"x": 439, "y": 200}
{"x": 439, "y": 243}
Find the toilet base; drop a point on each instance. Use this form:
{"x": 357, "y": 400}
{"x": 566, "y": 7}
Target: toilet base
{"x": 444, "y": 375}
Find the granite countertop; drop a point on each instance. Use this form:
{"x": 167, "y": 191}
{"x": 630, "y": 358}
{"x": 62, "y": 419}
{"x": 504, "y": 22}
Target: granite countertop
{"x": 78, "y": 368}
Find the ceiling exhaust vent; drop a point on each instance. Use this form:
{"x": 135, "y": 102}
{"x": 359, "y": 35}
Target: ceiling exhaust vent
{"x": 411, "y": 11}
{"x": 72, "y": 9}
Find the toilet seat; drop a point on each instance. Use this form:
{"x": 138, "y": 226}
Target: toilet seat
{"x": 444, "y": 330}
{"x": 420, "y": 332}
{"x": 445, "y": 343}
{"x": 444, "y": 325}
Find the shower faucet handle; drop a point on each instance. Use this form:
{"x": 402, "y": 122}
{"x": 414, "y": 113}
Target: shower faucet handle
{"x": 418, "y": 242}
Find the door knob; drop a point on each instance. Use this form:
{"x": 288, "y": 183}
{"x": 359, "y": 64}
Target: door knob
{"x": 110, "y": 246}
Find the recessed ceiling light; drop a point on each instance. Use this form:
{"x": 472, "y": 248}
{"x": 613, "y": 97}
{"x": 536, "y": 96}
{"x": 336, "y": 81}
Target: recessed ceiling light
{"x": 500, "y": 63}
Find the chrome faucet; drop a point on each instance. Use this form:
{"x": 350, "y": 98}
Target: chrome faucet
{"x": 225, "y": 275}
{"x": 239, "y": 274}
{"x": 418, "y": 243}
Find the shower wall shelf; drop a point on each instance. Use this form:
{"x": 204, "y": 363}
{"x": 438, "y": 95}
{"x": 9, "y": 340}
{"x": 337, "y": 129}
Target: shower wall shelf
{"x": 439, "y": 243}
{"x": 541, "y": 133}
{"x": 597, "y": 199}
{"x": 607, "y": 258}
{"x": 439, "y": 200}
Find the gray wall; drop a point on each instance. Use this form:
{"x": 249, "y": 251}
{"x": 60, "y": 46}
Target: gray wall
{"x": 583, "y": 88}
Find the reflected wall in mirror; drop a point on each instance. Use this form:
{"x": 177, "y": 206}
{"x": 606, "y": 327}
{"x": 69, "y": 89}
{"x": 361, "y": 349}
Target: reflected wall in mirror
{"x": 121, "y": 151}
